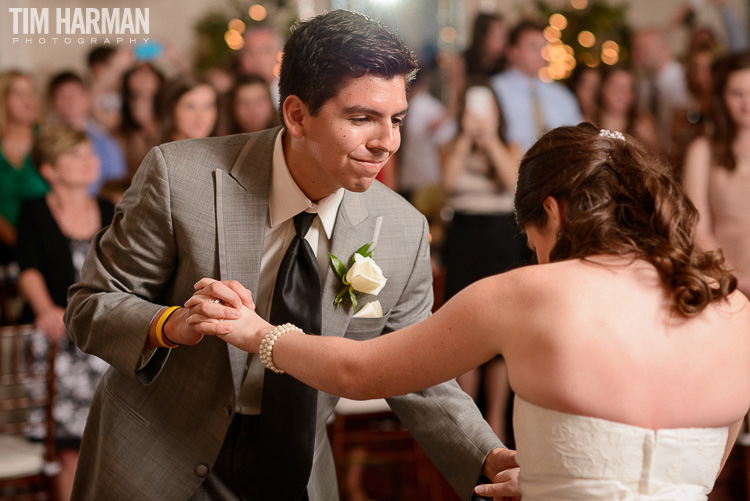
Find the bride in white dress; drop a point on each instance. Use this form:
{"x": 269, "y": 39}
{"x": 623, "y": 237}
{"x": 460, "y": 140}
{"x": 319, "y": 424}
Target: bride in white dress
{"x": 627, "y": 347}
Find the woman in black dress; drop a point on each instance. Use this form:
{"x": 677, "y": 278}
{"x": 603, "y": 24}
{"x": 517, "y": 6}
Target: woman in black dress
{"x": 54, "y": 233}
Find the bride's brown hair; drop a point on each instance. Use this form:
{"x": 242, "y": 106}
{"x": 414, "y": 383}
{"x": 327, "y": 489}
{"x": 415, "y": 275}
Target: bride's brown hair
{"x": 618, "y": 200}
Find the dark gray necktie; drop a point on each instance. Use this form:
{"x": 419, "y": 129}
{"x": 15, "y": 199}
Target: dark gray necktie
{"x": 287, "y": 419}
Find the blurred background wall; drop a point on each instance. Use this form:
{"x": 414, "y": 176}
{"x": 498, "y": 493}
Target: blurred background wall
{"x": 419, "y": 22}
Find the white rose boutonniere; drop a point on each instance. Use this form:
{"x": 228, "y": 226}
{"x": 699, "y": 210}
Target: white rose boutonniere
{"x": 363, "y": 276}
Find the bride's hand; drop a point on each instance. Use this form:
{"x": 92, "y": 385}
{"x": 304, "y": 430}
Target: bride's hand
{"x": 248, "y": 331}
{"x": 213, "y": 303}
{"x": 226, "y": 309}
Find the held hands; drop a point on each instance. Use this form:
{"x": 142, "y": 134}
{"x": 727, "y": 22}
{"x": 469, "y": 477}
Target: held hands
{"x": 225, "y": 309}
{"x": 500, "y": 467}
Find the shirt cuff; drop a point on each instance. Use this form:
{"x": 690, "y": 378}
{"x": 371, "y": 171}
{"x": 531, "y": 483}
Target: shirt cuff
{"x": 146, "y": 357}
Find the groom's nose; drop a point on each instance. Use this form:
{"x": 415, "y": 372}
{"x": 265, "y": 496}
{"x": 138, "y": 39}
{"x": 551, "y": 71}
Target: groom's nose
{"x": 386, "y": 137}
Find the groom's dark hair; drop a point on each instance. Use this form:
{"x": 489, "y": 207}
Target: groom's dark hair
{"x": 324, "y": 51}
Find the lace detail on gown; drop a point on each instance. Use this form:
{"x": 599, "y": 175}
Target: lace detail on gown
{"x": 565, "y": 456}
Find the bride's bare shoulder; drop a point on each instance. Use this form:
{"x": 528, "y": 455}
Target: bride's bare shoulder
{"x": 536, "y": 281}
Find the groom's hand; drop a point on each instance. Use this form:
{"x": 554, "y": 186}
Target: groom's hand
{"x": 215, "y": 302}
{"x": 226, "y": 309}
{"x": 500, "y": 467}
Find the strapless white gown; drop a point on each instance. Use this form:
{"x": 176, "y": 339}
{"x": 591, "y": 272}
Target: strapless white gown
{"x": 565, "y": 456}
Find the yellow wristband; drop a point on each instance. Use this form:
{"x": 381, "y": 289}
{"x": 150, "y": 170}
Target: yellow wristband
{"x": 161, "y": 338}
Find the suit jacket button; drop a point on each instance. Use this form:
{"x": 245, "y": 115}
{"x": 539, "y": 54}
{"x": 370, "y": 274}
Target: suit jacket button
{"x": 201, "y": 470}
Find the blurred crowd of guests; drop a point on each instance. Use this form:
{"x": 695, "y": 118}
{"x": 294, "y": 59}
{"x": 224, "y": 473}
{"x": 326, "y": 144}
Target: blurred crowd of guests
{"x": 459, "y": 157}
{"x": 67, "y": 155}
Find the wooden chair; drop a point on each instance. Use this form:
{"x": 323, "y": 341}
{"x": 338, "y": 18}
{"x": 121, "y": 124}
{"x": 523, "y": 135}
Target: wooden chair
{"x": 373, "y": 429}
{"x": 27, "y": 468}
{"x": 9, "y": 298}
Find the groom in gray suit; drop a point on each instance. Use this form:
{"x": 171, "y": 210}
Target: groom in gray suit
{"x": 172, "y": 422}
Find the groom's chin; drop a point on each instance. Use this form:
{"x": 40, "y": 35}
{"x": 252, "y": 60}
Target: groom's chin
{"x": 361, "y": 185}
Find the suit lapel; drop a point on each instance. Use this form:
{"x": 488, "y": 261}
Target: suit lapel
{"x": 241, "y": 212}
{"x": 349, "y": 234}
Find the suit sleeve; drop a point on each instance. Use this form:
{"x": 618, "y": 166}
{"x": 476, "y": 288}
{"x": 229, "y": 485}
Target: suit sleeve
{"x": 444, "y": 419}
{"x": 111, "y": 309}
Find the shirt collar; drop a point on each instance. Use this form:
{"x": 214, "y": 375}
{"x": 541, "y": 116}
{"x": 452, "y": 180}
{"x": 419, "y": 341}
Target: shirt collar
{"x": 286, "y": 199}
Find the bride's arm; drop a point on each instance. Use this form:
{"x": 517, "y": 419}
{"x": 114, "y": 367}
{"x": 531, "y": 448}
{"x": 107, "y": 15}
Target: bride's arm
{"x": 467, "y": 331}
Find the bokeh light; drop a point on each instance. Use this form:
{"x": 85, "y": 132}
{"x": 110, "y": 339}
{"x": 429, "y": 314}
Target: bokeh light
{"x": 589, "y": 60}
{"x": 237, "y": 25}
{"x": 234, "y": 39}
{"x": 561, "y": 60}
{"x": 610, "y": 56}
{"x": 257, "y": 12}
{"x": 558, "y": 21}
{"x": 448, "y": 34}
{"x": 551, "y": 34}
{"x": 586, "y": 39}
{"x": 544, "y": 75}
{"x": 610, "y": 45}
{"x": 579, "y": 4}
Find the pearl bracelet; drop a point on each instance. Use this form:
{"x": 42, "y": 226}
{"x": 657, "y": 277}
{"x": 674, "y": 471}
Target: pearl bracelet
{"x": 266, "y": 345}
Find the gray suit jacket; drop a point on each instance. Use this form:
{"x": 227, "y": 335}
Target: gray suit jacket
{"x": 198, "y": 209}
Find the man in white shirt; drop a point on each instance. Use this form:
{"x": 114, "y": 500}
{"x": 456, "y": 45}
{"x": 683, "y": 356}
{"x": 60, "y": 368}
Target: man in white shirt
{"x": 531, "y": 106}
{"x": 173, "y": 422}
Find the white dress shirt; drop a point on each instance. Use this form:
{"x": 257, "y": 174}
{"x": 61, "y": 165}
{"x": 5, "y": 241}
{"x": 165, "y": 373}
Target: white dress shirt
{"x": 285, "y": 201}
{"x": 515, "y": 91}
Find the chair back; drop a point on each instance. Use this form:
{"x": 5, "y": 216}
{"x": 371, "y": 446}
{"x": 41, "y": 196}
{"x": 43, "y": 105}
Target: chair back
{"x": 27, "y": 392}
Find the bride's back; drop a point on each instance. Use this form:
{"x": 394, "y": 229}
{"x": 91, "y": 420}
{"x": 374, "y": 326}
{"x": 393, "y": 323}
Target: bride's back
{"x": 628, "y": 320}
{"x": 603, "y": 341}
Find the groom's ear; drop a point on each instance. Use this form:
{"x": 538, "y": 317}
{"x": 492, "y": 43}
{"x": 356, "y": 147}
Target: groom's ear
{"x": 294, "y": 112}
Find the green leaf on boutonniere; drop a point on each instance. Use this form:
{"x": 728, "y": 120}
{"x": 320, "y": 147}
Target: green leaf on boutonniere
{"x": 364, "y": 251}
{"x": 339, "y": 267}
{"x": 341, "y": 270}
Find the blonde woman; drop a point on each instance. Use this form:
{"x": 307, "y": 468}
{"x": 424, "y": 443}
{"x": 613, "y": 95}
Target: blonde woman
{"x": 19, "y": 179}
{"x": 53, "y": 238}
